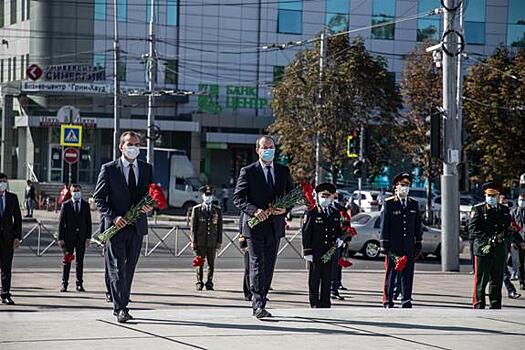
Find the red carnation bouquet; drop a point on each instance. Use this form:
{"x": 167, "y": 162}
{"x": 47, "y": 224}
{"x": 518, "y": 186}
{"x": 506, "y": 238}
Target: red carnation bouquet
{"x": 154, "y": 198}
{"x": 68, "y": 258}
{"x": 197, "y": 261}
{"x": 308, "y": 192}
{"x": 401, "y": 261}
{"x": 344, "y": 262}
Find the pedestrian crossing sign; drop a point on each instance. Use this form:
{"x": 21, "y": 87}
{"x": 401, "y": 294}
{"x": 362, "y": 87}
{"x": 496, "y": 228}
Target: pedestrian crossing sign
{"x": 71, "y": 135}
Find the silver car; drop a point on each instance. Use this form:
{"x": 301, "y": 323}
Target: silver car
{"x": 368, "y": 227}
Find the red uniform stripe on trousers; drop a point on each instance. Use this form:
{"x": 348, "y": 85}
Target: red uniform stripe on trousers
{"x": 474, "y": 293}
{"x": 385, "y": 299}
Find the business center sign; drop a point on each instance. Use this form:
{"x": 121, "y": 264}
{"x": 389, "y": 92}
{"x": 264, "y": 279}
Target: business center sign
{"x": 236, "y": 97}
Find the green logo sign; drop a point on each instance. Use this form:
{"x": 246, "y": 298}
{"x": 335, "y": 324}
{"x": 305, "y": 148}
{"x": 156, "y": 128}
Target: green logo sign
{"x": 236, "y": 97}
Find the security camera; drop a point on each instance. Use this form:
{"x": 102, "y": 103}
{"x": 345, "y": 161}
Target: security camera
{"x": 434, "y": 47}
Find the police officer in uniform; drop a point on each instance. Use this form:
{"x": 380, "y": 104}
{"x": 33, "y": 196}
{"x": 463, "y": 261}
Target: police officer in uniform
{"x": 206, "y": 233}
{"x": 489, "y": 225}
{"x": 321, "y": 231}
{"x": 401, "y": 235}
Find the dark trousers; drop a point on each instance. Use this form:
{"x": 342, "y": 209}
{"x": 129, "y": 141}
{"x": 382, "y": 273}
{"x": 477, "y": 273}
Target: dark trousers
{"x": 488, "y": 270}
{"x": 263, "y": 254}
{"x": 123, "y": 254}
{"x": 106, "y": 272}
{"x": 6, "y": 264}
{"x": 78, "y": 248}
{"x": 521, "y": 267}
{"x": 29, "y": 207}
{"x": 472, "y": 256}
{"x": 337, "y": 270}
{"x": 209, "y": 254}
{"x": 246, "y": 278}
{"x": 406, "y": 281}
{"x": 319, "y": 282}
{"x": 507, "y": 279}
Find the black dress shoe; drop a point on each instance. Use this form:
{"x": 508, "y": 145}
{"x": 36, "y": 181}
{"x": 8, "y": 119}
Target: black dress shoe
{"x": 63, "y": 289}
{"x": 248, "y": 297}
{"x": 388, "y": 306}
{"x": 407, "y": 305}
{"x": 336, "y": 296}
{"x": 209, "y": 287}
{"x": 342, "y": 288}
{"x": 261, "y": 313}
{"x": 80, "y": 288}
{"x": 123, "y": 316}
{"x": 514, "y": 295}
{"x": 199, "y": 286}
{"x": 7, "y": 301}
{"x": 109, "y": 298}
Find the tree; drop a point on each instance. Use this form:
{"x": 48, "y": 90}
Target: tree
{"x": 421, "y": 88}
{"x": 357, "y": 90}
{"x": 494, "y": 114}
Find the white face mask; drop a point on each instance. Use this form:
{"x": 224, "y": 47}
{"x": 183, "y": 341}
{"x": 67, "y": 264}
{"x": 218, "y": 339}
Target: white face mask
{"x": 76, "y": 195}
{"x": 521, "y": 203}
{"x": 207, "y": 199}
{"x": 3, "y": 186}
{"x": 403, "y": 191}
{"x": 132, "y": 152}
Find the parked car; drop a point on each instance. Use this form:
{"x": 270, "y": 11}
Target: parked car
{"x": 368, "y": 227}
{"x": 369, "y": 200}
{"x": 420, "y": 195}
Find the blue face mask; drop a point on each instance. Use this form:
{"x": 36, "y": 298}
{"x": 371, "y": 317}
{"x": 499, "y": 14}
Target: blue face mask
{"x": 492, "y": 201}
{"x": 325, "y": 202}
{"x": 267, "y": 155}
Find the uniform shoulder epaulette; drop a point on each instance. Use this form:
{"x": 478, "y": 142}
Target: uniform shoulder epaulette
{"x": 390, "y": 198}
{"x": 479, "y": 205}
{"x": 217, "y": 206}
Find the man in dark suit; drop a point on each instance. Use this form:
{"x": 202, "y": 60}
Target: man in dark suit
{"x": 259, "y": 184}
{"x": 29, "y": 198}
{"x": 121, "y": 184}
{"x": 74, "y": 234}
{"x": 10, "y": 236}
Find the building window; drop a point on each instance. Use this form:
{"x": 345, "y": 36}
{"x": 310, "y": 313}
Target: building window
{"x": 1, "y": 70}
{"x": 516, "y": 23}
{"x": 475, "y": 23}
{"x": 383, "y": 11}
{"x": 428, "y": 28}
{"x": 122, "y": 10}
{"x": 278, "y": 73}
{"x": 2, "y": 13}
{"x": 337, "y": 15}
{"x": 290, "y": 17}
{"x": 13, "y": 11}
{"x": 14, "y": 68}
{"x": 28, "y": 9}
{"x": 172, "y": 12}
{"x": 22, "y": 67}
{"x": 99, "y": 60}
{"x": 121, "y": 69}
{"x": 100, "y": 10}
{"x": 170, "y": 72}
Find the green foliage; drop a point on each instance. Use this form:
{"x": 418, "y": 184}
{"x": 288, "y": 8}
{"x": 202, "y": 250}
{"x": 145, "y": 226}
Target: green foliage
{"x": 357, "y": 90}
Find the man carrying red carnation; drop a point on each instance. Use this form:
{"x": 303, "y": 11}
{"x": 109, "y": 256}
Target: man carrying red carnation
{"x": 321, "y": 232}
{"x": 401, "y": 234}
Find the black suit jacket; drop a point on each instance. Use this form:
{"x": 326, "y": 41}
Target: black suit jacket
{"x": 112, "y": 195}
{"x": 30, "y": 194}
{"x": 252, "y": 192}
{"x": 11, "y": 221}
{"x": 73, "y": 226}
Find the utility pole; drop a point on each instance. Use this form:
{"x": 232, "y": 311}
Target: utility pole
{"x": 319, "y": 175}
{"x": 116, "y": 84}
{"x": 451, "y": 154}
{"x": 152, "y": 77}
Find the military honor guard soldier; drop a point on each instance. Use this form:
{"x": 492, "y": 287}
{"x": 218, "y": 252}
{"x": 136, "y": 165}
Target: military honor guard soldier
{"x": 321, "y": 231}
{"x": 206, "y": 233}
{"x": 74, "y": 234}
{"x": 401, "y": 235}
{"x": 489, "y": 225}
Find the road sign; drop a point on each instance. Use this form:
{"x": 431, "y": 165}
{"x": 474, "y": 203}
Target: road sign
{"x": 71, "y": 135}
{"x": 71, "y": 155}
{"x": 34, "y": 72}
{"x": 69, "y": 114}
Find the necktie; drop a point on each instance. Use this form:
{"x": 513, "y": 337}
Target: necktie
{"x": 132, "y": 181}
{"x": 403, "y": 202}
{"x": 77, "y": 207}
{"x": 1, "y": 206}
{"x": 269, "y": 177}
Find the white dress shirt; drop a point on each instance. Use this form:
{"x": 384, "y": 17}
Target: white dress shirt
{"x": 125, "y": 169}
{"x": 265, "y": 169}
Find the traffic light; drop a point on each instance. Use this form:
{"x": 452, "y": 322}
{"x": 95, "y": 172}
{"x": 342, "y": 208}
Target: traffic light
{"x": 352, "y": 144}
{"x": 358, "y": 168}
{"x": 434, "y": 135}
